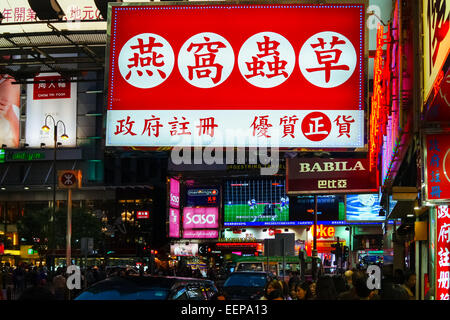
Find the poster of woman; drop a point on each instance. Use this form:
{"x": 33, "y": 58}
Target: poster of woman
{"x": 9, "y": 112}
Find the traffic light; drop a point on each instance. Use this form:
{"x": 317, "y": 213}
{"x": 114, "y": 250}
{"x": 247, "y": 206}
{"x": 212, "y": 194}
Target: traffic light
{"x": 337, "y": 251}
{"x": 346, "y": 252}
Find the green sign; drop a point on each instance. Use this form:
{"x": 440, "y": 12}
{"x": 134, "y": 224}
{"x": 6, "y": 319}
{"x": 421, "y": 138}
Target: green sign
{"x": 25, "y": 156}
{"x": 2, "y": 155}
{"x": 31, "y": 251}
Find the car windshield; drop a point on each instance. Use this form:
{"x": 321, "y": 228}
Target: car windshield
{"x": 144, "y": 294}
{"x": 246, "y": 280}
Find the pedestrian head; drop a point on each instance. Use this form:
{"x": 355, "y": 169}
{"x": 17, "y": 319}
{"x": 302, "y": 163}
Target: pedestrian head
{"x": 325, "y": 289}
{"x": 410, "y": 279}
{"x": 274, "y": 290}
{"x": 303, "y": 290}
{"x": 359, "y": 280}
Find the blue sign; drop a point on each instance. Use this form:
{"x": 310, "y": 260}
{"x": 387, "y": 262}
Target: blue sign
{"x": 366, "y": 207}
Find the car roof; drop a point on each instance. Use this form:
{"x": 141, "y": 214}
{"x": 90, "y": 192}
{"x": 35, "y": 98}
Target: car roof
{"x": 250, "y": 272}
{"x": 135, "y": 281}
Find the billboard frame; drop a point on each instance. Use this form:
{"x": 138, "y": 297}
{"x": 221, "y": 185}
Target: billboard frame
{"x": 364, "y": 68}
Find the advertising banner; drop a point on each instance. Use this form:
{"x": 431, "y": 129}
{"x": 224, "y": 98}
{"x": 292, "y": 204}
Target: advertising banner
{"x": 174, "y": 194}
{"x": 200, "y": 234}
{"x": 200, "y": 218}
{"x": 442, "y": 249}
{"x": 437, "y": 167}
{"x": 322, "y": 176}
{"x": 174, "y": 223}
{"x": 9, "y": 112}
{"x": 184, "y": 250}
{"x": 51, "y": 95}
{"x": 436, "y": 40}
{"x": 202, "y": 197}
{"x": 366, "y": 207}
{"x": 193, "y": 74}
{"x": 142, "y": 214}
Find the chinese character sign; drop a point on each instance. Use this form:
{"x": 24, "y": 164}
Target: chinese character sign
{"x": 268, "y": 71}
{"x": 442, "y": 249}
{"x": 436, "y": 40}
{"x": 322, "y": 176}
{"x": 437, "y": 162}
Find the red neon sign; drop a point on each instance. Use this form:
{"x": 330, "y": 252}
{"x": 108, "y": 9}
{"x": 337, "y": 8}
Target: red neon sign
{"x": 380, "y": 109}
{"x": 443, "y": 246}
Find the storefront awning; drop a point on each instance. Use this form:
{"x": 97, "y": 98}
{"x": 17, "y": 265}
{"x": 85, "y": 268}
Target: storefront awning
{"x": 401, "y": 209}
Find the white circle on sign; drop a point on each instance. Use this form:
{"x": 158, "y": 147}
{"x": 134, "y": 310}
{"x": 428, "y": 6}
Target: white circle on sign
{"x": 266, "y": 59}
{"x": 146, "y": 60}
{"x": 206, "y": 60}
{"x": 327, "y": 59}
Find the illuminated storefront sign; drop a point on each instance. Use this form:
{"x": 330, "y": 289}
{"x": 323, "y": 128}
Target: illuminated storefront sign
{"x": 380, "y": 106}
{"x": 175, "y": 76}
{"x": 200, "y": 218}
{"x": 442, "y": 249}
{"x": 184, "y": 250}
{"x": 51, "y": 94}
{"x": 320, "y": 176}
{"x": 437, "y": 170}
{"x": 174, "y": 205}
{"x": 142, "y": 214}
{"x": 436, "y": 40}
{"x": 2, "y": 155}
{"x": 174, "y": 223}
{"x": 174, "y": 193}
{"x": 200, "y": 234}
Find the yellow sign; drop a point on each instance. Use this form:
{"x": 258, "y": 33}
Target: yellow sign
{"x": 69, "y": 179}
{"x": 436, "y": 41}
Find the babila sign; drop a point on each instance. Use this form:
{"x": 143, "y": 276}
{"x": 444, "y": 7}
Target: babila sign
{"x": 321, "y": 176}
{"x": 236, "y": 74}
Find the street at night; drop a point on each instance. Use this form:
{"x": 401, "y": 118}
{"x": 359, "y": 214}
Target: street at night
{"x": 223, "y": 154}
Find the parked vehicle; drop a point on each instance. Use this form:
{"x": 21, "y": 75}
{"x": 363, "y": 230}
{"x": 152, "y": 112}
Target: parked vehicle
{"x": 134, "y": 287}
{"x": 245, "y": 285}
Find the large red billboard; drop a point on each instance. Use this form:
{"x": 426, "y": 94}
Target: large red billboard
{"x": 184, "y": 71}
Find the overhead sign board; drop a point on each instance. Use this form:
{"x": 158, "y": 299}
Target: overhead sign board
{"x": 436, "y": 40}
{"x": 442, "y": 249}
{"x": 233, "y": 74}
{"x": 437, "y": 167}
{"x": 322, "y": 176}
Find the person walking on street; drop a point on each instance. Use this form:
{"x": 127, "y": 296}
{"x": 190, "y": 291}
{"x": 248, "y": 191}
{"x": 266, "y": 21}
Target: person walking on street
{"x": 273, "y": 291}
{"x": 409, "y": 284}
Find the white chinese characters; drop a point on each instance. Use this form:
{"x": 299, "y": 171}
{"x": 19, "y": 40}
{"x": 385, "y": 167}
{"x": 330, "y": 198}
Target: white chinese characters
{"x": 146, "y": 60}
{"x": 327, "y": 59}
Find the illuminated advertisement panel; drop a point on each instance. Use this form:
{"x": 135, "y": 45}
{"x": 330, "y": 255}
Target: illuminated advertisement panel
{"x": 200, "y": 218}
{"x": 9, "y": 112}
{"x": 366, "y": 207}
{"x": 437, "y": 167}
{"x": 184, "y": 250}
{"x": 436, "y": 40}
{"x": 174, "y": 193}
{"x": 174, "y": 223}
{"x": 51, "y": 94}
{"x": 329, "y": 176}
{"x": 442, "y": 249}
{"x": 178, "y": 71}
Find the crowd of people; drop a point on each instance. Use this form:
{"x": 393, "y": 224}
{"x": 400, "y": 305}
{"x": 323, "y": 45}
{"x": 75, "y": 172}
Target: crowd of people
{"x": 27, "y": 281}
{"x": 352, "y": 285}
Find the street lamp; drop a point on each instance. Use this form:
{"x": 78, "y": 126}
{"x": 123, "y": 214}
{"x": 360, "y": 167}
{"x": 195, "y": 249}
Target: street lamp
{"x": 64, "y": 136}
